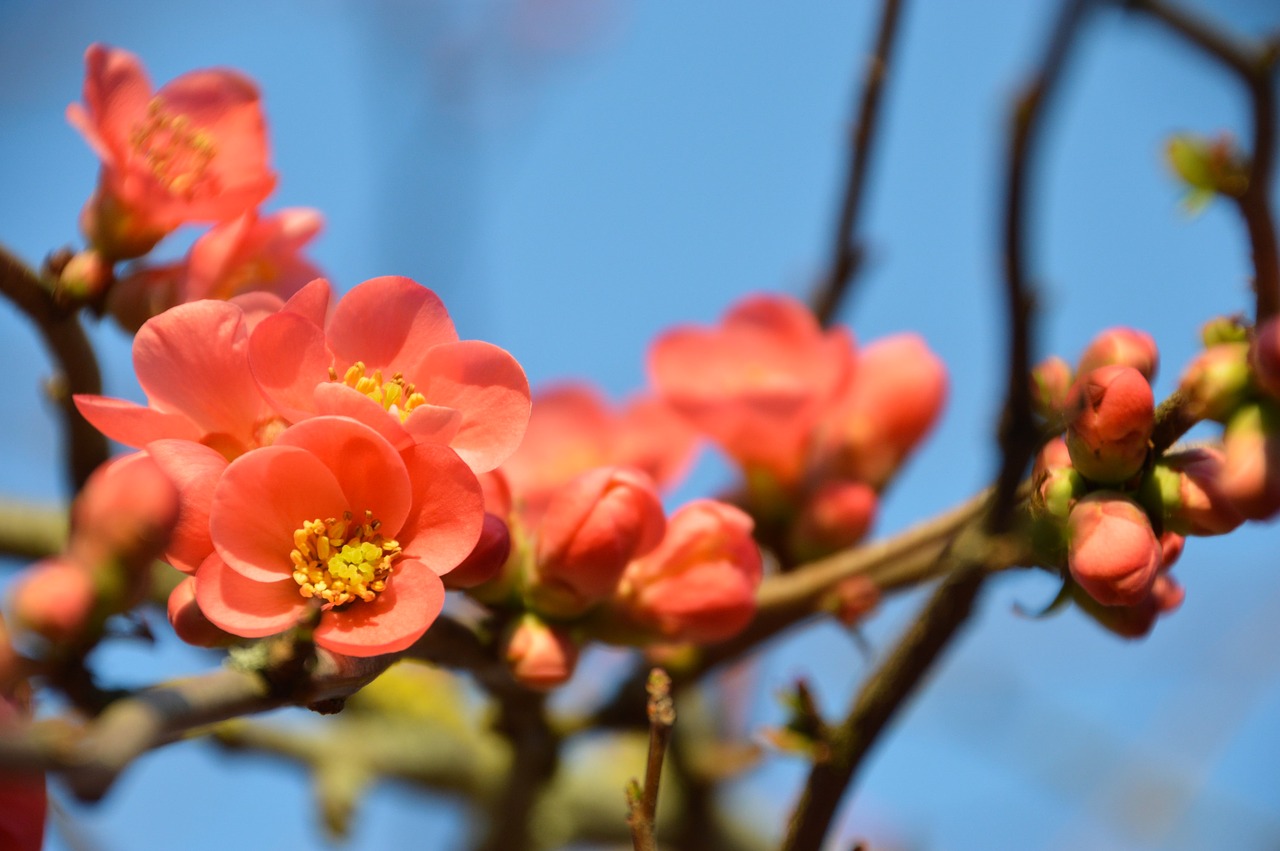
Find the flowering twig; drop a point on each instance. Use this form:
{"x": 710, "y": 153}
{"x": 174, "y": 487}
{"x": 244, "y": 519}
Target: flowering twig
{"x": 642, "y": 802}
{"x": 86, "y": 448}
{"x": 847, "y": 253}
{"x": 1255, "y": 68}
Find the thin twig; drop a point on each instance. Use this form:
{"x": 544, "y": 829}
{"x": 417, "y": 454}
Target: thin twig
{"x": 1018, "y": 433}
{"x": 877, "y": 702}
{"x": 86, "y": 448}
{"x": 642, "y": 803}
{"x": 1255, "y": 69}
{"x": 847, "y": 252}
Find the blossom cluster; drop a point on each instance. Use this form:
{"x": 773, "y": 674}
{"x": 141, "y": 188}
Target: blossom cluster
{"x": 1116, "y": 513}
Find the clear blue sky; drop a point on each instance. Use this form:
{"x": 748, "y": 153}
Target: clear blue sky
{"x": 571, "y": 197}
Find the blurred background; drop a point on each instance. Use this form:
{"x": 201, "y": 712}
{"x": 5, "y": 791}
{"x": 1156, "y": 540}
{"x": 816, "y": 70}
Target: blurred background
{"x": 574, "y": 176}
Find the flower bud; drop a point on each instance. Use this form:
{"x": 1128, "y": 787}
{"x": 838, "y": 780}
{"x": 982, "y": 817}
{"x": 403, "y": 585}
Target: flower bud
{"x": 1217, "y": 381}
{"x": 125, "y": 513}
{"x": 1171, "y": 546}
{"x": 189, "y": 623}
{"x": 855, "y": 598}
{"x": 486, "y": 560}
{"x": 1057, "y": 484}
{"x": 1113, "y": 552}
{"x": 1122, "y": 347}
{"x": 84, "y": 278}
{"x": 1224, "y": 329}
{"x": 894, "y": 399}
{"x": 836, "y": 515}
{"x": 1264, "y": 356}
{"x": 1251, "y": 470}
{"x": 540, "y": 656}
{"x": 1186, "y": 489}
{"x": 1050, "y": 381}
{"x": 55, "y": 599}
{"x": 1112, "y": 424}
{"x": 700, "y": 583}
{"x": 592, "y": 528}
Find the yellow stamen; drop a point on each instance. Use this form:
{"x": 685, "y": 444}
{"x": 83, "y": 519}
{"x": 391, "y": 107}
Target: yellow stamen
{"x": 177, "y": 153}
{"x": 396, "y": 396}
{"x": 340, "y": 561}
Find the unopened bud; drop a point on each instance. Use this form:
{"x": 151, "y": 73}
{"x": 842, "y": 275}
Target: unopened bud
{"x": 1050, "y": 381}
{"x": 1122, "y": 347}
{"x": 486, "y": 560}
{"x": 1264, "y": 356}
{"x": 83, "y": 279}
{"x": 540, "y": 656}
{"x": 1113, "y": 553}
{"x": 1224, "y": 329}
{"x": 836, "y": 515}
{"x": 1217, "y": 381}
{"x": 1251, "y": 471}
{"x": 1112, "y": 424}
{"x": 1186, "y": 487}
{"x": 55, "y": 599}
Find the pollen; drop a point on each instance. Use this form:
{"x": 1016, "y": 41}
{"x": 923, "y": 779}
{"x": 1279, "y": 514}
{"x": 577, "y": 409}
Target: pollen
{"x": 396, "y": 396}
{"x": 339, "y": 561}
{"x": 177, "y": 152}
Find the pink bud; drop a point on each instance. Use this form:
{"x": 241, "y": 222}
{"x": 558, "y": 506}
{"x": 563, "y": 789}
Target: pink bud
{"x": 700, "y": 583}
{"x": 189, "y": 623}
{"x": 1264, "y": 356}
{"x": 1050, "y": 381}
{"x": 55, "y": 599}
{"x": 486, "y": 560}
{"x": 592, "y": 528}
{"x": 126, "y": 512}
{"x": 84, "y": 278}
{"x": 1122, "y": 347}
{"x": 540, "y": 656}
{"x": 855, "y": 598}
{"x": 1201, "y": 507}
{"x": 1112, "y": 424}
{"x": 1113, "y": 552}
{"x": 1057, "y": 484}
{"x": 1217, "y": 381}
{"x": 836, "y": 515}
{"x": 1251, "y": 470}
{"x": 894, "y": 399}
{"x": 1171, "y": 546}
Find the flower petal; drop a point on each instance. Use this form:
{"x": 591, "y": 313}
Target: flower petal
{"x": 340, "y": 400}
{"x": 448, "y": 508}
{"x": 247, "y": 607}
{"x": 395, "y": 620}
{"x": 132, "y": 424}
{"x": 365, "y": 465}
{"x": 389, "y": 322}
{"x": 289, "y": 358}
{"x": 194, "y": 470}
{"x": 311, "y": 302}
{"x": 261, "y": 499}
{"x": 486, "y": 385}
{"x": 116, "y": 93}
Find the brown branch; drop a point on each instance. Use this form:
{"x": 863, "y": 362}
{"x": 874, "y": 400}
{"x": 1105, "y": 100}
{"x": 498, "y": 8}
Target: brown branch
{"x": 85, "y": 448}
{"x": 642, "y": 803}
{"x": 1255, "y": 68}
{"x": 31, "y": 531}
{"x": 877, "y": 702}
{"x": 1018, "y": 433}
{"x": 847, "y": 252}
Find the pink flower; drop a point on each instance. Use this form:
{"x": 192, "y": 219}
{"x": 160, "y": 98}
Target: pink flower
{"x": 756, "y": 384}
{"x": 1251, "y": 468}
{"x": 700, "y": 583}
{"x": 834, "y": 516}
{"x": 1122, "y": 347}
{"x": 55, "y": 599}
{"x": 888, "y": 408}
{"x": 189, "y": 623}
{"x": 572, "y": 429}
{"x": 1111, "y": 425}
{"x": 1195, "y": 503}
{"x": 1113, "y": 553}
{"x": 193, "y": 365}
{"x": 332, "y": 515}
{"x": 194, "y": 151}
{"x": 389, "y": 357}
{"x": 540, "y": 656}
{"x": 245, "y": 254}
{"x": 593, "y": 527}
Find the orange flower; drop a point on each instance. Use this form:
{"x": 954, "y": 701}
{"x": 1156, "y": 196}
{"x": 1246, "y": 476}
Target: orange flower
{"x": 194, "y": 151}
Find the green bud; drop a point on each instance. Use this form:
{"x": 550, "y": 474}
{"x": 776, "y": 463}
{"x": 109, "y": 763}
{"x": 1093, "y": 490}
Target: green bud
{"x": 1224, "y": 329}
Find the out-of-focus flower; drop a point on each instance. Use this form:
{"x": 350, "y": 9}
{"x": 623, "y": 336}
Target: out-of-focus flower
{"x": 1112, "y": 423}
{"x": 592, "y": 529}
{"x": 834, "y": 515}
{"x": 1113, "y": 553}
{"x": 23, "y": 797}
{"x": 247, "y": 254}
{"x": 700, "y": 583}
{"x": 758, "y": 382}
{"x": 1251, "y": 470}
{"x": 1050, "y": 381}
{"x": 1217, "y": 381}
{"x": 124, "y": 514}
{"x": 55, "y": 599}
{"x": 332, "y": 515}
{"x": 194, "y": 151}
{"x": 572, "y": 429}
{"x": 894, "y": 399}
{"x": 540, "y": 656}
{"x": 1122, "y": 347}
{"x": 389, "y": 357}
{"x": 1186, "y": 487}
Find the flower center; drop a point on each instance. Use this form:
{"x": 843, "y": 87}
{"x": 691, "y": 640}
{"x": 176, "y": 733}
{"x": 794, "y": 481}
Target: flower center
{"x": 339, "y": 561}
{"x": 396, "y": 396}
{"x": 177, "y": 153}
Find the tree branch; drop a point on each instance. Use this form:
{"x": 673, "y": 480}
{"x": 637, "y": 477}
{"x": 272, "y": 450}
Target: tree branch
{"x": 642, "y": 802}
{"x": 86, "y": 448}
{"x": 847, "y": 252}
{"x": 1255, "y": 68}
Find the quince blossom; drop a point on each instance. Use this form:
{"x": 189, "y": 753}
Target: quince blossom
{"x": 194, "y": 151}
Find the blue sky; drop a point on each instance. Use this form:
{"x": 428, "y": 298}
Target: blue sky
{"x": 569, "y": 197}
